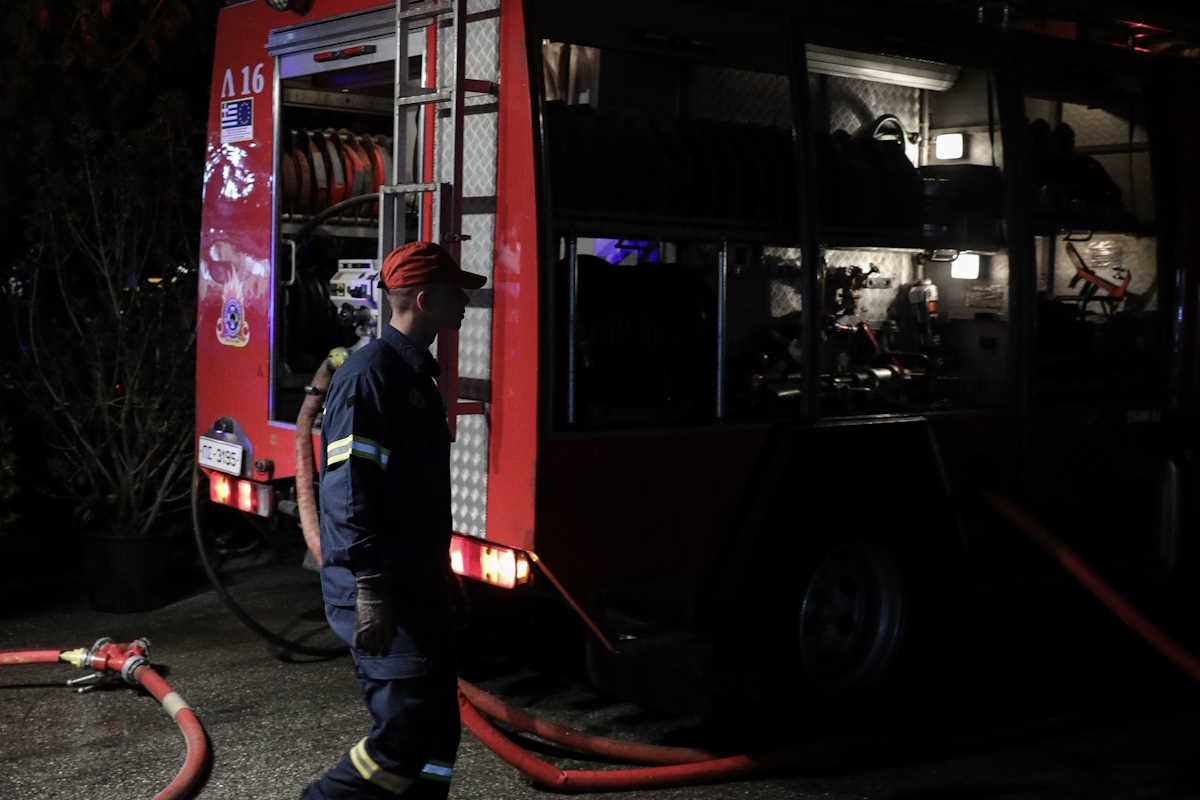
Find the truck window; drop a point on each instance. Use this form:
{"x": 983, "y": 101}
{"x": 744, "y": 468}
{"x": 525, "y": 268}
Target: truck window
{"x": 914, "y": 269}
{"x": 1100, "y": 337}
{"x": 672, "y": 193}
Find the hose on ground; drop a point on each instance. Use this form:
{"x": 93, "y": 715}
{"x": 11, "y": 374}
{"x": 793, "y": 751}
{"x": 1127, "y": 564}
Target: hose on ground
{"x": 129, "y": 661}
{"x": 634, "y": 752}
{"x": 546, "y": 774}
{"x": 682, "y": 766}
{"x": 16, "y": 657}
{"x": 193, "y": 733}
{"x": 1087, "y": 577}
{"x": 691, "y": 767}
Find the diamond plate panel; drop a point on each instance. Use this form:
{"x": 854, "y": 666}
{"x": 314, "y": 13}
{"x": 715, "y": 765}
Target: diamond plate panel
{"x": 446, "y": 48}
{"x": 479, "y": 155}
{"x": 468, "y": 475}
{"x": 854, "y": 103}
{"x": 739, "y": 96}
{"x": 873, "y": 303}
{"x": 785, "y": 299}
{"x": 1095, "y": 126}
{"x": 784, "y": 294}
{"x": 475, "y": 344}
{"x": 775, "y": 253}
{"x": 483, "y": 50}
{"x": 468, "y": 454}
{"x": 477, "y": 251}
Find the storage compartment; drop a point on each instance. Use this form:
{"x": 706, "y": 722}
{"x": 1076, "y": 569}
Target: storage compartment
{"x": 334, "y": 150}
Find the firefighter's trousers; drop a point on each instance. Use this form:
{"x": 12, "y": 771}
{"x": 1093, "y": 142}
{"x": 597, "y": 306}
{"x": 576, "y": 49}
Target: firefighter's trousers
{"x": 412, "y": 695}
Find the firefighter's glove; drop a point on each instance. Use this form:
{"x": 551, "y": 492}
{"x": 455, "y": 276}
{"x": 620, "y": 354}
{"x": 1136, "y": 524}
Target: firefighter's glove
{"x": 374, "y": 615}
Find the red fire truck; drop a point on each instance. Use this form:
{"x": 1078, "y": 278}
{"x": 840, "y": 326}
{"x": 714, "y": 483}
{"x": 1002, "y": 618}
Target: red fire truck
{"x": 771, "y": 290}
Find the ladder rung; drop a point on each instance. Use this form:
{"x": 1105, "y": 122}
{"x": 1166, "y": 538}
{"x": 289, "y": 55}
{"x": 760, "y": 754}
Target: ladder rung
{"x": 427, "y": 11}
{"x": 483, "y": 87}
{"x": 421, "y": 98}
{"x": 408, "y": 188}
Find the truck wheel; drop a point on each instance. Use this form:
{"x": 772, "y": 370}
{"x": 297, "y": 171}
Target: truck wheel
{"x": 852, "y": 618}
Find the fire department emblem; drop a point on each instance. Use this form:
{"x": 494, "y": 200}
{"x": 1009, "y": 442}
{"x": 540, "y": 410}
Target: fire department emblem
{"x": 232, "y": 327}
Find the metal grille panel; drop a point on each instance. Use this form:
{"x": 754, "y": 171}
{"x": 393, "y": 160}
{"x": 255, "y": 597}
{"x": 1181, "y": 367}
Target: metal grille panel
{"x": 740, "y": 96}
{"x": 475, "y": 6}
{"x": 468, "y": 476}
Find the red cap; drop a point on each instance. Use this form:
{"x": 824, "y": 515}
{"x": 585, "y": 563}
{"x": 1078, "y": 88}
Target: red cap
{"x": 418, "y": 263}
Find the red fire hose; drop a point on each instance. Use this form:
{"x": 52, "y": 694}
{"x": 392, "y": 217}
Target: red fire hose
{"x": 550, "y": 776}
{"x": 692, "y": 766}
{"x": 15, "y": 657}
{"x": 1097, "y": 586}
{"x": 634, "y": 752}
{"x": 128, "y": 661}
{"x": 683, "y": 766}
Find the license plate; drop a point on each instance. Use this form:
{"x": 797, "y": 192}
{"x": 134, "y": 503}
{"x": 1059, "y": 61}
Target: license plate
{"x": 221, "y": 456}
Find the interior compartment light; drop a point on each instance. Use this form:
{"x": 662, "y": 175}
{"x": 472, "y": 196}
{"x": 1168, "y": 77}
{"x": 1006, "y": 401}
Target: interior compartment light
{"x": 495, "y": 564}
{"x": 948, "y": 146}
{"x": 966, "y": 266}
{"x": 911, "y": 72}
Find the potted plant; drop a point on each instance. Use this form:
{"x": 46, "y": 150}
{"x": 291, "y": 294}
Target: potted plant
{"x": 100, "y": 206}
{"x": 108, "y": 337}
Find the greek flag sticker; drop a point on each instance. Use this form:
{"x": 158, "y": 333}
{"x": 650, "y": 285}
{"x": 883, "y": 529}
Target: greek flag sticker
{"x": 237, "y": 120}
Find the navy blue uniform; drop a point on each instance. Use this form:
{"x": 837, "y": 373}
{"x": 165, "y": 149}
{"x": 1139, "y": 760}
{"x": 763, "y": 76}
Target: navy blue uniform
{"x": 385, "y": 508}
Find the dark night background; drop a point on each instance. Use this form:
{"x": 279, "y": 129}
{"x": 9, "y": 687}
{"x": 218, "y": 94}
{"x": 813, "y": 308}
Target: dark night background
{"x": 104, "y": 108}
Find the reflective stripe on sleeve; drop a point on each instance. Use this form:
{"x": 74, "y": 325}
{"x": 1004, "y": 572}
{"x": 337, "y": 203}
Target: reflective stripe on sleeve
{"x": 338, "y": 451}
{"x": 390, "y": 782}
{"x": 360, "y": 446}
{"x": 437, "y": 771}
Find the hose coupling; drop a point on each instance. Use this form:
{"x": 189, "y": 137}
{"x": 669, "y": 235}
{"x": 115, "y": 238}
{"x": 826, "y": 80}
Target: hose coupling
{"x": 130, "y": 666}
{"x": 94, "y": 653}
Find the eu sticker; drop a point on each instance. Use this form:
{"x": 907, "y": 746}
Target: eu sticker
{"x": 237, "y": 120}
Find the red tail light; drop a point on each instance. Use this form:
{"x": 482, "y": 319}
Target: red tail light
{"x": 248, "y": 496}
{"x": 491, "y": 563}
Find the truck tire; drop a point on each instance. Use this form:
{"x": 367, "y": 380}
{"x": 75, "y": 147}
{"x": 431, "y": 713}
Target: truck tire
{"x": 852, "y": 617}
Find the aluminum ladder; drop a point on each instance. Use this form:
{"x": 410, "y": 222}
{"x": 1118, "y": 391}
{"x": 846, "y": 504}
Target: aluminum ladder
{"x": 394, "y": 197}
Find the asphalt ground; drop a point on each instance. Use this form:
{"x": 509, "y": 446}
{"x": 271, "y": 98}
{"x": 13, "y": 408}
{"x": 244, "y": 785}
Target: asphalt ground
{"x": 1060, "y": 703}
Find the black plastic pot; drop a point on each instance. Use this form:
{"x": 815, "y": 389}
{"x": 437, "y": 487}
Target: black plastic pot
{"x": 124, "y": 573}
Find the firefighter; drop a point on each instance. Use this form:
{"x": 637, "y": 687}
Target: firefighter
{"x": 385, "y": 535}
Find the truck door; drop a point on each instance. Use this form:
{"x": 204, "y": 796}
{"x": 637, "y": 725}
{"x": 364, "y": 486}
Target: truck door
{"x": 344, "y": 132}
